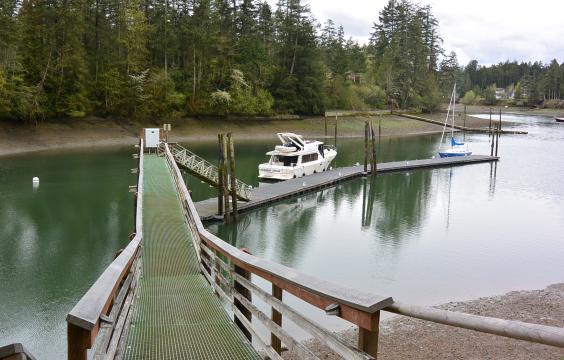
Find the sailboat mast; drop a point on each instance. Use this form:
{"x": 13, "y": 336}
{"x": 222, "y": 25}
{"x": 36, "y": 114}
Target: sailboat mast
{"x": 446, "y": 119}
{"x": 453, "y": 110}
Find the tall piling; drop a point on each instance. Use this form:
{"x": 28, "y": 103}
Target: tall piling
{"x": 366, "y": 147}
{"x": 232, "y": 175}
{"x": 220, "y": 160}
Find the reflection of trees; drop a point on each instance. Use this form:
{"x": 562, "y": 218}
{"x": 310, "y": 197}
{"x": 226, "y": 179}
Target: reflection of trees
{"x": 400, "y": 199}
{"x": 280, "y": 228}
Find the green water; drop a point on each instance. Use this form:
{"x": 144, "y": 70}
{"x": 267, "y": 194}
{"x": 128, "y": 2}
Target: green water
{"x": 424, "y": 237}
{"x": 57, "y": 238}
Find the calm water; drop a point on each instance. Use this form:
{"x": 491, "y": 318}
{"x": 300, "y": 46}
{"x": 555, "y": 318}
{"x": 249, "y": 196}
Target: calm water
{"x": 56, "y": 239}
{"x": 424, "y": 237}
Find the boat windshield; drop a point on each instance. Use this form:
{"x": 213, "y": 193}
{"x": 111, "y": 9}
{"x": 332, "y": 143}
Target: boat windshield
{"x": 284, "y": 160}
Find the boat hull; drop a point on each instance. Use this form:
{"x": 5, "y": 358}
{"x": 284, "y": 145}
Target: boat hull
{"x": 560, "y": 120}
{"x": 281, "y": 173}
{"x": 452, "y": 154}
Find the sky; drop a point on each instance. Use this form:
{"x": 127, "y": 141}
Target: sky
{"x": 489, "y": 31}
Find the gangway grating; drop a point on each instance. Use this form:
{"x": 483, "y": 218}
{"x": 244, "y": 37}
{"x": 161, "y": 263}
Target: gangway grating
{"x": 176, "y": 315}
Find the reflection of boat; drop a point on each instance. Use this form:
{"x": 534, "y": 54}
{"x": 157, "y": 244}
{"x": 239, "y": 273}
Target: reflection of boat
{"x": 559, "y": 119}
{"x": 296, "y": 157}
{"x": 456, "y": 148}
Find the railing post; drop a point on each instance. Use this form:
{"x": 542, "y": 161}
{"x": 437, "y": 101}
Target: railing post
{"x": 277, "y": 319}
{"x": 247, "y": 294}
{"x": 78, "y": 341}
{"x": 368, "y": 338}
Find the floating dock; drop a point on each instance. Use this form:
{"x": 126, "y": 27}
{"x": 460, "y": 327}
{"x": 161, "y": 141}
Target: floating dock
{"x": 207, "y": 209}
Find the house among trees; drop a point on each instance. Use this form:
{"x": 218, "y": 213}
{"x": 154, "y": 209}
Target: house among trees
{"x": 353, "y": 76}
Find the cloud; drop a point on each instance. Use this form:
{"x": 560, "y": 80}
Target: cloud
{"x": 489, "y": 31}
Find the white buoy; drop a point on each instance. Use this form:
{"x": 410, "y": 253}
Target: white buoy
{"x": 339, "y": 174}
{"x": 357, "y": 164}
{"x": 35, "y": 180}
{"x": 304, "y": 184}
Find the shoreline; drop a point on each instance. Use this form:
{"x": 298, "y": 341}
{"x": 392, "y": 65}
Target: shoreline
{"x": 408, "y": 338}
{"x": 103, "y": 133}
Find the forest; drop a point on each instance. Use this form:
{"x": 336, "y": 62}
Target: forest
{"x": 172, "y": 58}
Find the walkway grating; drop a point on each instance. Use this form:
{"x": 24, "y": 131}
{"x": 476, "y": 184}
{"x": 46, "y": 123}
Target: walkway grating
{"x": 177, "y": 315}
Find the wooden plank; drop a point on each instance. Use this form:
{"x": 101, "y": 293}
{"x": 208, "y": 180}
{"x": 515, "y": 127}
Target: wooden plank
{"x": 368, "y": 339}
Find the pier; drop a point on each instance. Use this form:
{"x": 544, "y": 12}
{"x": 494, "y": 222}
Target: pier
{"x": 177, "y": 291}
{"x": 269, "y": 193}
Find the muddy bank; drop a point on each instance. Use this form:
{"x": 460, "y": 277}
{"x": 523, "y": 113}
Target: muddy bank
{"x": 93, "y": 132}
{"x": 407, "y": 338}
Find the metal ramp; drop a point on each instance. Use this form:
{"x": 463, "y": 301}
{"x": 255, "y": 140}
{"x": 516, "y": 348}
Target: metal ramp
{"x": 176, "y": 314}
{"x": 203, "y": 169}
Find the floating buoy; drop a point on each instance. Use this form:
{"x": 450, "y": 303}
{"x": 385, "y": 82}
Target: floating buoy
{"x": 339, "y": 174}
{"x": 304, "y": 184}
{"x": 35, "y": 180}
{"x": 357, "y": 164}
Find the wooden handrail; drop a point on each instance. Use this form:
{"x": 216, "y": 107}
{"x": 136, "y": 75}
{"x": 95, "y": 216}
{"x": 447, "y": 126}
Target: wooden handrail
{"x": 83, "y": 321}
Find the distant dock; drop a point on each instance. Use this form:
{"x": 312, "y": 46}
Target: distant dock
{"x": 207, "y": 209}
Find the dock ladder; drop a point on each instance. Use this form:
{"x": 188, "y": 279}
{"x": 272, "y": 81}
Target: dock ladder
{"x": 203, "y": 169}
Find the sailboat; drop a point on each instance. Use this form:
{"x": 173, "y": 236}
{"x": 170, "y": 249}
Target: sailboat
{"x": 456, "y": 148}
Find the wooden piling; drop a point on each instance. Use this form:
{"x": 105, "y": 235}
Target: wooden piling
{"x": 366, "y": 142}
{"x": 336, "y": 120}
{"x": 226, "y": 215}
{"x": 326, "y": 126}
{"x": 498, "y": 135}
{"x": 220, "y": 174}
{"x": 379, "y": 128}
{"x": 490, "y": 127}
{"x": 232, "y": 175}
{"x": 373, "y": 166}
{"x": 492, "y": 143}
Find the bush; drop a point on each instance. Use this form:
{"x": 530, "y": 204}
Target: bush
{"x": 489, "y": 95}
{"x": 469, "y": 98}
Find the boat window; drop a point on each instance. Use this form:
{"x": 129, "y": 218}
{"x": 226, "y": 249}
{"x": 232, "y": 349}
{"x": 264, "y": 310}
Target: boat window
{"x": 309, "y": 157}
{"x": 285, "y": 160}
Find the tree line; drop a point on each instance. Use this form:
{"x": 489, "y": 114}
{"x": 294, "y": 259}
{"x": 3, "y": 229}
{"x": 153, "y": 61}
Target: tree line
{"x": 163, "y": 58}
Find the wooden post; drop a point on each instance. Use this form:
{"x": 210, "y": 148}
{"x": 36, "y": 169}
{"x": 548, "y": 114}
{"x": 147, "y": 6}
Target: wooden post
{"x": 374, "y": 166}
{"x": 368, "y": 338}
{"x": 497, "y": 137}
{"x": 336, "y": 120}
{"x": 277, "y": 319}
{"x": 492, "y": 144}
{"x": 325, "y": 126}
{"x": 247, "y": 294}
{"x": 231, "y": 156}
{"x": 78, "y": 341}
{"x": 226, "y": 215}
{"x": 366, "y": 147}
{"x": 464, "y": 116}
{"x": 490, "y": 127}
{"x": 220, "y": 161}
{"x": 379, "y": 128}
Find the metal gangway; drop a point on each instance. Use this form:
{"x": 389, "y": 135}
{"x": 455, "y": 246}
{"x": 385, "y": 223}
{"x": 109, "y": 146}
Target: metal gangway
{"x": 203, "y": 169}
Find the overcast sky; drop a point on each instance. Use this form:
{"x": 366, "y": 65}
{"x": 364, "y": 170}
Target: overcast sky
{"x": 489, "y": 31}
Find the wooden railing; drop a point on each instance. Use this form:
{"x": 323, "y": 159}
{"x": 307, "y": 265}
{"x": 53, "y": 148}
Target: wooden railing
{"x": 98, "y": 320}
{"x": 229, "y": 271}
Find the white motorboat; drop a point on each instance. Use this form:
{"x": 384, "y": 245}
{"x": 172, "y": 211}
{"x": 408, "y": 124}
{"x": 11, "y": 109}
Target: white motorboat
{"x": 296, "y": 157}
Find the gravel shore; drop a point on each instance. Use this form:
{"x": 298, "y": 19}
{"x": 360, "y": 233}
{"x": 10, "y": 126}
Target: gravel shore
{"x": 407, "y": 338}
